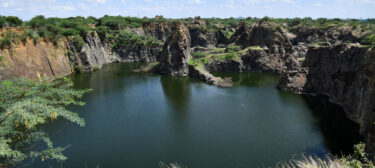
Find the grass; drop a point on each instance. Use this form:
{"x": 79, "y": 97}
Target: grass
{"x": 233, "y": 48}
{"x": 1, "y": 59}
{"x": 319, "y": 44}
{"x": 314, "y": 162}
{"x": 256, "y": 48}
{"x": 170, "y": 165}
{"x": 301, "y": 59}
{"x": 198, "y": 54}
{"x": 95, "y": 67}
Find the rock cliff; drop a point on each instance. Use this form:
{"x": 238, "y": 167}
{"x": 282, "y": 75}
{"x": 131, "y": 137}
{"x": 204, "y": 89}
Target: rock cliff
{"x": 345, "y": 74}
{"x": 176, "y": 52}
{"x": 30, "y": 60}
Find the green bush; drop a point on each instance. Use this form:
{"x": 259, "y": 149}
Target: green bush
{"x": 126, "y": 38}
{"x": 25, "y": 106}
{"x": 1, "y": 58}
{"x": 70, "y": 32}
{"x": 230, "y": 56}
{"x": 5, "y": 43}
{"x": 78, "y": 43}
{"x": 103, "y": 32}
{"x": 369, "y": 40}
{"x": 13, "y": 21}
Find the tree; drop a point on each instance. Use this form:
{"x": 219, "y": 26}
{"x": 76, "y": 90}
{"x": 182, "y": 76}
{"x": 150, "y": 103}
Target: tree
{"x": 14, "y": 21}
{"x": 25, "y": 105}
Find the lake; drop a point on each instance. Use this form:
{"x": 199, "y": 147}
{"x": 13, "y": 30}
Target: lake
{"x": 137, "y": 120}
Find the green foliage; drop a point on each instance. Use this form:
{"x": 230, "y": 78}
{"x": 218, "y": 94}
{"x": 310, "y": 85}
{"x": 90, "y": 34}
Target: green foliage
{"x": 5, "y": 42}
{"x": 13, "y": 21}
{"x": 1, "y": 58}
{"x": 256, "y": 48}
{"x": 369, "y": 40}
{"x": 8, "y": 38}
{"x": 359, "y": 158}
{"x": 25, "y": 105}
{"x": 78, "y": 43}
{"x": 126, "y": 38}
{"x": 227, "y": 34}
{"x": 265, "y": 19}
{"x": 230, "y": 56}
{"x": 198, "y": 62}
{"x": 233, "y": 48}
{"x": 118, "y": 22}
{"x": 70, "y": 32}
{"x": 198, "y": 54}
{"x": 95, "y": 67}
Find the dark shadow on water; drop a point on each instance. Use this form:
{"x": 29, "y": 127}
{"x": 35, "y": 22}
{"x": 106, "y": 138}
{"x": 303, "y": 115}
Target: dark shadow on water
{"x": 177, "y": 91}
{"x": 340, "y": 133}
{"x": 252, "y": 79}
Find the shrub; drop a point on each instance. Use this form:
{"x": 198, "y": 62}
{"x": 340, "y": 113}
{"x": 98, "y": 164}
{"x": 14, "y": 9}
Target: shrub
{"x": 78, "y": 43}
{"x": 70, "y": 32}
{"x": 103, "y": 32}
{"x": 126, "y": 38}
{"x": 37, "y": 21}
{"x": 369, "y": 40}
{"x": 5, "y": 43}
{"x": 1, "y": 58}
{"x": 35, "y": 37}
{"x": 25, "y": 106}
{"x": 230, "y": 56}
{"x": 13, "y": 21}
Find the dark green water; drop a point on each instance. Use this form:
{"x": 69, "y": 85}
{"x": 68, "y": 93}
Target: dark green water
{"x": 137, "y": 120}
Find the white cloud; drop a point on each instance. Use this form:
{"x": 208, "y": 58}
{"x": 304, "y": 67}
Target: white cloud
{"x": 96, "y": 1}
{"x": 196, "y": 2}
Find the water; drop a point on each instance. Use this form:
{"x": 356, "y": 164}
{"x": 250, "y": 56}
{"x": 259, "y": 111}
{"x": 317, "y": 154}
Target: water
{"x": 137, "y": 120}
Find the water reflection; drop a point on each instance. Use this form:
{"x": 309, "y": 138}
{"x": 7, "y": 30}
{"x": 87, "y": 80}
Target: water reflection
{"x": 177, "y": 91}
{"x": 340, "y": 132}
{"x": 252, "y": 79}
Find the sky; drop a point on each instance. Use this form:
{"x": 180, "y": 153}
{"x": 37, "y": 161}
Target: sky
{"x": 26, "y": 9}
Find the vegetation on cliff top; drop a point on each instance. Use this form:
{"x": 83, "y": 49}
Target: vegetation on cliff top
{"x": 126, "y": 38}
{"x": 109, "y": 26}
{"x": 25, "y": 105}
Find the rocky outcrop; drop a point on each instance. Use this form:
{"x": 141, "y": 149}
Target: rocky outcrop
{"x": 224, "y": 66}
{"x": 200, "y": 36}
{"x": 331, "y": 35}
{"x": 31, "y": 60}
{"x": 160, "y": 31}
{"x": 344, "y": 73}
{"x": 144, "y": 54}
{"x": 176, "y": 52}
{"x": 209, "y": 78}
{"x": 94, "y": 54}
{"x": 270, "y": 50}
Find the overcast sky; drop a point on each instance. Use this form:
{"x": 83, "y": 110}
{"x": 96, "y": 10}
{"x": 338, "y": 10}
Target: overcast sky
{"x": 26, "y": 9}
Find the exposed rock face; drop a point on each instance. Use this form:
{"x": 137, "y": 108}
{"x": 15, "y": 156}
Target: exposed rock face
{"x": 330, "y": 35}
{"x": 31, "y": 59}
{"x": 161, "y": 31}
{"x": 201, "y": 37}
{"x": 224, "y": 66}
{"x": 176, "y": 53}
{"x": 94, "y": 53}
{"x": 241, "y": 35}
{"x": 262, "y": 60}
{"x": 138, "y": 54}
{"x": 344, "y": 73}
{"x": 274, "y": 52}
